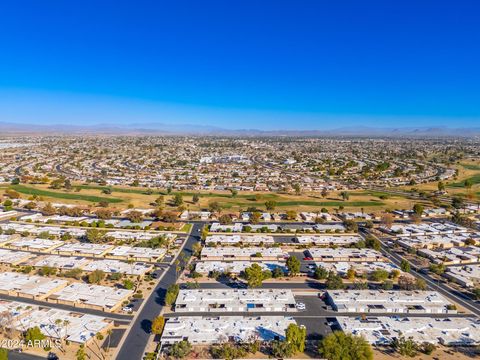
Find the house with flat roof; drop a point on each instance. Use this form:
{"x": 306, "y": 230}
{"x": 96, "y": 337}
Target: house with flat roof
{"x": 360, "y": 268}
{"x": 383, "y": 330}
{"x": 235, "y": 267}
{"x": 60, "y": 262}
{"x": 4, "y": 238}
{"x": 91, "y": 296}
{"x": 231, "y": 300}
{"x": 217, "y": 227}
{"x": 136, "y": 253}
{"x": 116, "y": 266}
{"x": 452, "y": 256}
{"x": 29, "y": 286}
{"x": 391, "y": 301}
{"x": 444, "y": 241}
{"x": 83, "y": 249}
{"x": 467, "y": 276}
{"x": 239, "y": 239}
{"x": 28, "y": 244}
{"x": 206, "y": 330}
{"x": 344, "y": 255}
{"x": 227, "y": 253}
{"x": 11, "y": 257}
{"x": 328, "y": 240}
{"x": 432, "y": 228}
{"x": 81, "y": 328}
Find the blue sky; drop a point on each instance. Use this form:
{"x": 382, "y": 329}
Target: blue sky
{"x": 241, "y": 64}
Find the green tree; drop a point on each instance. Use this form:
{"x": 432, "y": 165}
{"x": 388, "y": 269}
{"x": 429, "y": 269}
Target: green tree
{"x": 387, "y": 285}
{"x": 96, "y": 277}
{"x": 291, "y": 214}
{"x": 351, "y": 273}
{"x": 214, "y": 207}
{"x": 295, "y": 336}
{"x": 334, "y": 281}
{"x": 345, "y": 195}
{"x": 281, "y": 349}
{"x": 94, "y": 235}
{"x": 128, "y": 284}
{"x": 34, "y": 334}
{"x": 468, "y": 183}
{"x": 178, "y": 200}
{"x": 341, "y": 346}
{"x": 270, "y": 205}
{"x": 225, "y": 219}
{"x": 227, "y": 351}
{"x": 379, "y": 275}
{"x": 180, "y": 349}
{"x": 195, "y": 198}
{"x": 418, "y": 209}
{"x": 135, "y": 216}
{"x": 427, "y": 348}
{"x": 254, "y": 275}
{"x": 441, "y": 186}
{"x": 350, "y": 225}
{"x": 320, "y": 273}
{"x": 405, "y": 347}
{"x": 457, "y": 203}
{"x": 293, "y": 265}
{"x": 372, "y": 243}
{"x": 476, "y": 293}
{"x": 47, "y": 271}
{"x": 405, "y": 266}
{"x": 197, "y": 249}
{"x": 171, "y": 295}
{"x": 438, "y": 269}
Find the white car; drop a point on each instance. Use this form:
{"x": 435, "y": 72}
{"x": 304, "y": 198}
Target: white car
{"x": 300, "y": 306}
{"x": 127, "y": 309}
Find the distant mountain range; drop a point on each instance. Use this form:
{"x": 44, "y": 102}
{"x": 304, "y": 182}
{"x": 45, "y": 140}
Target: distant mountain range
{"x": 189, "y": 129}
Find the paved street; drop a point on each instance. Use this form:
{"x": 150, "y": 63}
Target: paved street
{"x": 442, "y": 288}
{"x": 134, "y": 345}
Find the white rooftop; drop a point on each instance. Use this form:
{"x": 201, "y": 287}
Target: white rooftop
{"x": 328, "y": 239}
{"x": 236, "y": 252}
{"x": 345, "y": 254}
{"x": 235, "y": 267}
{"x": 116, "y": 266}
{"x": 394, "y": 301}
{"x": 215, "y": 330}
{"x": 94, "y": 295}
{"x": 446, "y": 331}
{"x": 29, "y": 284}
{"x": 236, "y": 239}
{"x": 53, "y": 322}
{"x": 235, "y": 300}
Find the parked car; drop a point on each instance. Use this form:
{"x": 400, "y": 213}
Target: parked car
{"x": 127, "y": 309}
{"x": 300, "y": 306}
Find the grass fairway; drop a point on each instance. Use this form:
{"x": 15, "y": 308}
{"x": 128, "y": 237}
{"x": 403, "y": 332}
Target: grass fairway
{"x": 145, "y": 191}
{"x": 143, "y": 198}
{"x": 331, "y": 203}
{"x": 461, "y": 184}
{"x": 62, "y": 195}
{"x": 473, "y": 167}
